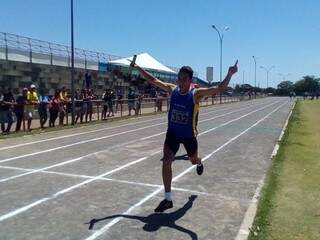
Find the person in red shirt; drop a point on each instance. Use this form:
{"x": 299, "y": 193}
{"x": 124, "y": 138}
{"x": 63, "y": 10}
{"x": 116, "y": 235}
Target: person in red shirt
{"x": 55, "y": 106}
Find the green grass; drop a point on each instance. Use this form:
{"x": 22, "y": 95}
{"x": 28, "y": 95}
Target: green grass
{"x": 289, "y": 207}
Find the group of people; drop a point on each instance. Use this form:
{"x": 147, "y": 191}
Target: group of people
{"x": 22, "y": 108}
{"x": 110, "y": 99}
{"x": 24, "y": 105}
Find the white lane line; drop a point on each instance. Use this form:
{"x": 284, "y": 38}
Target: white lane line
{"x": 136, "y": 183}
{"x": 96, "y": 130}
{"x": 78, "y": 143}
{"x": 25, "y": 208}
{"x": 104, "y": 137}
{"x": 247, "y": 221}
{"x": 90, "y": 154}
{"x": 110, "y": 179}
{"x": 116, "y": 220}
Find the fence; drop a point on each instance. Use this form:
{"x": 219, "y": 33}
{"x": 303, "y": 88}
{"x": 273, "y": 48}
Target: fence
{"x": 121, "y": 108}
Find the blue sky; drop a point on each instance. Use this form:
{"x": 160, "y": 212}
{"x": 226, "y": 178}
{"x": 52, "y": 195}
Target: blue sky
{"x": 282, "y": 33}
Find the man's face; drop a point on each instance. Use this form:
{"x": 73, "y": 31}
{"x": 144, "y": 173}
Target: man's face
{"x": 184, "y": 81}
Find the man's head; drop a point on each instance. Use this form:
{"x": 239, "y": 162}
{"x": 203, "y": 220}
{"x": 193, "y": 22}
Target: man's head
{"x": 25, "y": 91}
{"x": 32, "y": 87}
{"x": 185, "y": 78}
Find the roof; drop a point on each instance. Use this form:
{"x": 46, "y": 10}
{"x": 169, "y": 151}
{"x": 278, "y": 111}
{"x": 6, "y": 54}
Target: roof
{"x": 144, "y": 60}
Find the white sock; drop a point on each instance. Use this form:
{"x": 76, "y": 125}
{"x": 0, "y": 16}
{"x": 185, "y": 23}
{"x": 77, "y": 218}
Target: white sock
{"x": 167, "y": 196}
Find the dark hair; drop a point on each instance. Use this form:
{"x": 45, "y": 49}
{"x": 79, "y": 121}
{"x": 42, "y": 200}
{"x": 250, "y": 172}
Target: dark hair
{"x": 188, "y": 70}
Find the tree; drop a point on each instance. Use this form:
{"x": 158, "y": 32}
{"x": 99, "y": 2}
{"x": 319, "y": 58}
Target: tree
{"x": 284, "y": 88}
{"x": 270, "y": 90}
{"x": 307, "y": 84}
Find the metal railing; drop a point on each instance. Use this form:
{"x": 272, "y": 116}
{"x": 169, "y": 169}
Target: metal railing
{"x": 24, "y": 49}
{"x": 120, "y": 109}
{"x": 19, "y": 48}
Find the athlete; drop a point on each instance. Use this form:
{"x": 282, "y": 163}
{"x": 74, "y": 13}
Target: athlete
{"x": 182, "y": 121}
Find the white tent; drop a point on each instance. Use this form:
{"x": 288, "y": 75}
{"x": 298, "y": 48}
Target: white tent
{"x": 144, "y": 60}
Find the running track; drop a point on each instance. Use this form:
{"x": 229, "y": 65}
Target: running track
{"x": 53, "y": 185}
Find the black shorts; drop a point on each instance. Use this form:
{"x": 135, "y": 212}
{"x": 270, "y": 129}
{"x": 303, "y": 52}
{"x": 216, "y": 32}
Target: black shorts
{"x": 173, "y": 142}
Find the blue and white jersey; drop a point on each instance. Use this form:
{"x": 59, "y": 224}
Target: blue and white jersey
{"x": 183, "y": 114}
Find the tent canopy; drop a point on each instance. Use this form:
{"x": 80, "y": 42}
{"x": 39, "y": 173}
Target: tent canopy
{"x": 144, "y": 60}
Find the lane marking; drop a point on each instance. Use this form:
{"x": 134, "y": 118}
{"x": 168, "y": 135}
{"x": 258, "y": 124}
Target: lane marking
{"x": 106, "y": 227}
{"x": 104, "y": 137}
{"x": 97, "y": 130}
{"x": 27, "y": 207}
{"x": 158, "y": 134}
{"x": 247, "y": 221}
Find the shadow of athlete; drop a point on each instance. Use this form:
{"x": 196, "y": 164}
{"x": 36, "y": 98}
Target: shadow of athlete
{"x": 155, "y": 221}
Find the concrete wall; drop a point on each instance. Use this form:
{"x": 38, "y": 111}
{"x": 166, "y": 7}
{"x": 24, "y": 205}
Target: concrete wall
{"x": 17, "y": 75}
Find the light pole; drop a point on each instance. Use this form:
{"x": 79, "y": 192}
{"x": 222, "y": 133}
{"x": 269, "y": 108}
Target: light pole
{"x": 72, "y": 68}
{"x": 267, "y": 71}
{"x": 255, "y": 75}
{"x": 221, "y": 40}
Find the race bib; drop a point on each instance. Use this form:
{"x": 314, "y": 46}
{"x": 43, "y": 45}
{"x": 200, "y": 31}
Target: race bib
{"x": 179, "y": 117}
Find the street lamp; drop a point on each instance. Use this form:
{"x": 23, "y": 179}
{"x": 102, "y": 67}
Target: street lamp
{"x": 72, "y": 68}
{"x": 255, "y": 75}
{"x": 220, "y": 34}
{"x": 267, "y": 71}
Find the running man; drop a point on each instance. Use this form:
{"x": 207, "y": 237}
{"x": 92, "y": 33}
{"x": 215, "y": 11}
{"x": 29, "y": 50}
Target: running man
{"x": 182, "y": 121}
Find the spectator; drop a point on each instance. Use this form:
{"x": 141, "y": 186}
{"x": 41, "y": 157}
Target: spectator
{"x": 131, "y": 100}
{"x": 64, "y": 101}
{"x": 32, "y": 100}
{"x": 110, "y": 99}
{"x": 105, "y": 98}
{"x": 19, "y": 108}
{"x": 159, "y": 101}
{"x": 119, "y": 99}
{"x": 78, "y": 103}
{"x": 84, "y": 98}
{"x": 6, "y": 103}
{"x": 89, "y": 105}
{"x": 139, "y": 103}
{"x": 43, "y": 108}
{"x": 55, "y": 105}
{"x": 88, "y": 80}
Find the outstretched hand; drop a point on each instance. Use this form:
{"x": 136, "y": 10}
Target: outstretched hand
{"x": 233, "y": 69}
{"x": 133, "y": 61}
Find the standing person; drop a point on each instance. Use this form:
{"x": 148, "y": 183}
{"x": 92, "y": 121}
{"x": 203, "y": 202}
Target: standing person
{"x": 43, "y": 108}
{"x": 105, "y": 104}
{"x": 131, "y": 100}
{"x": 32, "y": 101}
{"x": 139, "y": 103}
{"x": 78, "y": 103}
{"x": 6, "y": 103}
{"x": 64, "y": 101}
{"x": 84, "y": 104}
{"x": 110, "y": 99}
{"x": 19, "y": 108}
{"x": 55, "y": 105}
{"x": 88, "y": 80}
{"x": 119, "y": 100}
{"x": 89, "y": 105}
{"x": 182, "y": 121}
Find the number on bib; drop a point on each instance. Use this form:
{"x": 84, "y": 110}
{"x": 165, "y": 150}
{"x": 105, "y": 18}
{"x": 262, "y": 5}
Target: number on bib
{"x": 179, "y": 117}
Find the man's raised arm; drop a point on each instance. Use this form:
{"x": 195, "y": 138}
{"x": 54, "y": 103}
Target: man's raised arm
{"x": 155, "y": 81}
{"x": 202, "y": 92}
